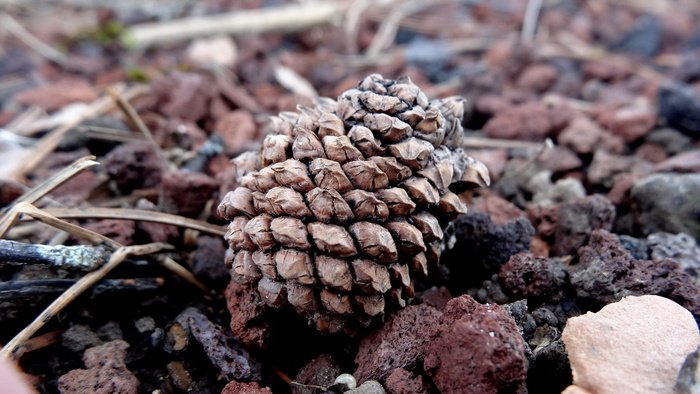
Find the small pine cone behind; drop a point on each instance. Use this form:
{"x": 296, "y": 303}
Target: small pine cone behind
{"x": 345, "y": 204}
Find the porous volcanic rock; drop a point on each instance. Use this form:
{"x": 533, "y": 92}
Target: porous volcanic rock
{"x": 606, "y": 272}
{"x": 134, "y": 165}
{"x": 106, "y": 373}
{"x": 668, "y": 202}
{"x": 401, "y": 381}
{"x": 577, "y": 218}
{"x": 478, "y": 347}
{"x": 245, "y": 388}
{"x": 526, "y": 275}
{"x": 400, "y": 343}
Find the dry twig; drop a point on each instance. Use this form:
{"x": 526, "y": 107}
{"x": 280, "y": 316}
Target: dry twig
{"x": 532, "y": 13}
{"x": 132, "y": 116}
{"x": 50, "y": 141}
{"x": 13, "y": 27}
{"x": 289, "y": 18}
{"x": 135, "y": 214}
{"x": 33, "y": 195}
{"x": 80, "y": 257}
{"x": 15, "y": 347}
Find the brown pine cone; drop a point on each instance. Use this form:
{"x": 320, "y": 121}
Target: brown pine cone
{"x": 346, "y": 202}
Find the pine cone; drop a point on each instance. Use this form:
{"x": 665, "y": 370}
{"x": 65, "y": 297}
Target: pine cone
{"x": 346, "y": 202}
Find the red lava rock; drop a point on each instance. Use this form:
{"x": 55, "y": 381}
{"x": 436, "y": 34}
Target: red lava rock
{"x": 537, "y": 77}
{"x": 232, "y": 360}
{"x": 491, "y": 104}
{"x": 186, "y": 193}
{"x": 106, "y": 373}
{"x": 543, "y": 217}
{"x": 76, "y": 190}
{"x": 631, "y": 123}
{"x": 181, "y": 133}
{"x": 576, "y": 219}
{"x": 606, "y": 272}
{"x": 499, "y": 209}
{"x": 237, "y": 127}
{"x": 511, "y": 55}
{"x": 157, "y": 232}
{"x": 321, "y": 371}
{"x": 683, "y": 162}
{"x": 526, "y": 275}
{"x": 399, "y": 343}
{"x": 606, "y": 70}
{"x": 584, "y": 136}
{"x": 245, "y": 388}
{"x": 55, "y": 96}
{"x": 207, "y": 258}
{"x": 134, "y": 165}
{"x": 121, "y": 231}
{"x": 528, "y": 121}
{"x": 494, "y": 159}
{"x": 620, "y": 191}
{"x": 401, "y": 381}
{"x": 559, "y": 159}
{"x": 476, "y": 346}
{"x": 605, "y": 166}
{"x": 246, "y": 308}
{"x": 437, "y": 297}
{"x": 184, "y": 95}
{"x": 652, "y": 152}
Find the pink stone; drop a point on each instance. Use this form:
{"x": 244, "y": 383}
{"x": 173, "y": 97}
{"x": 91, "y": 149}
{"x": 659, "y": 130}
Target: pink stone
{"x": 636, "y": 345}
